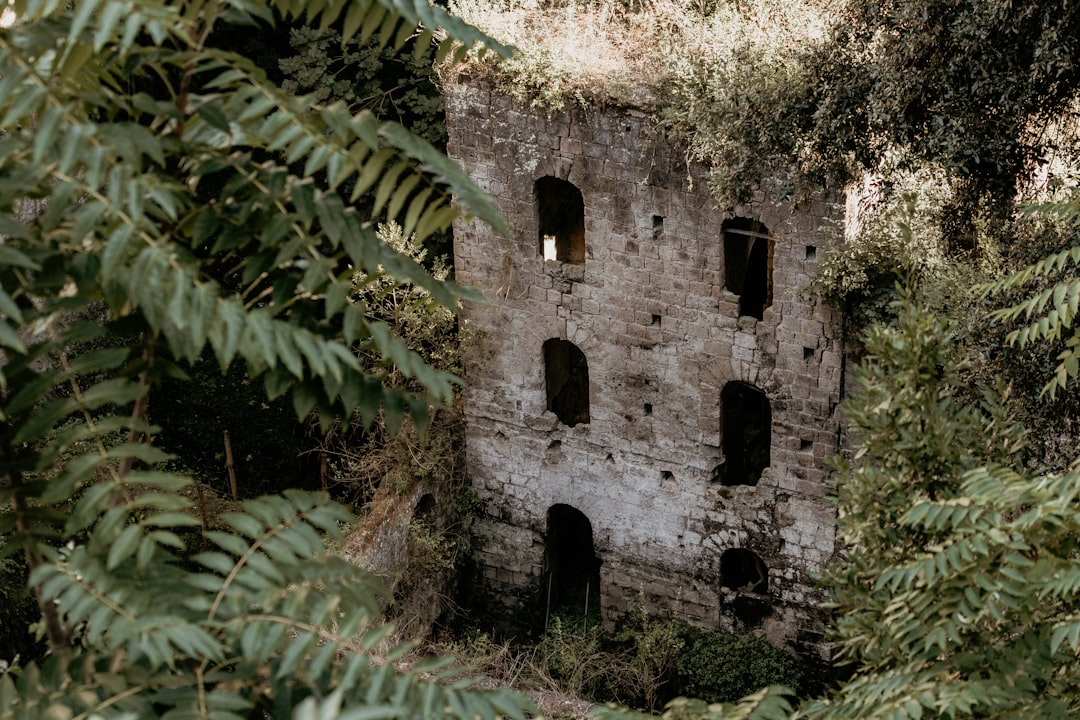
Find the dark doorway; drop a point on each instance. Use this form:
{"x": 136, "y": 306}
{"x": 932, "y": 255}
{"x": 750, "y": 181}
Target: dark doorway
{"x": 571, "y": 569}
{"x": 561, "y": 218}
{"x": 743, "y": 571}
{"x": 566, "y": 377}
{"x": 748, "y": 260}
{"x": 747, "y": 433}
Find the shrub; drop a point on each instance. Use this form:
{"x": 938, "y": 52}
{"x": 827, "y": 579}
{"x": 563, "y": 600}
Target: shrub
{"x": 718, "y": 666}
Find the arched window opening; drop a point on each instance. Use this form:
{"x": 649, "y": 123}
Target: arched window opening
{"x": 566, "y": 377}
{"x": 743, "y": 571}
{"x": 748, "y": 261}
{"x": 747, "y": 431}
{"x": 571, "y": 569}
{"x": 561, "y": 215}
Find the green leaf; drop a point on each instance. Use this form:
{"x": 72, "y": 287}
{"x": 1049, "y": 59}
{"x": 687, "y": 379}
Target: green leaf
{"x": 124, "y": 546}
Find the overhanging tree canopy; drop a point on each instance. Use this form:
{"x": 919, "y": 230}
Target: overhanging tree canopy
{"x": 167, "y": 181}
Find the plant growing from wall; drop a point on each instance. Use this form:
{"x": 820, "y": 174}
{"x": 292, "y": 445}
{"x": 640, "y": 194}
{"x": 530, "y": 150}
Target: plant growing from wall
{"x": 149, "y": 172}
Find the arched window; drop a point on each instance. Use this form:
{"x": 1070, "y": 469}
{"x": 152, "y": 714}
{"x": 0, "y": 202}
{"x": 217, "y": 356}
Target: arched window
{"x": 561, "y": 219}
{"x": 747, "y": 431}
{"x": 748, "y": 260}
{"x": 571, "y": 568}
{"x": 743, "y": 571}
{"x": 566, "y": 377}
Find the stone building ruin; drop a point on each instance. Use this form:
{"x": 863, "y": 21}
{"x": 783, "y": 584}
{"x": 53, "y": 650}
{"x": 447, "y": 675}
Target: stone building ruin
{"x": 651, "y": 407}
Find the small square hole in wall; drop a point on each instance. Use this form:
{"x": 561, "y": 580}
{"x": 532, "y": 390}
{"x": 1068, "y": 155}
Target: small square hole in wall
{"x": 666, "y": 475}
{"x": 806, "y": 445}
{"x": 656, "y": 319}
{"x": 808, "y": 354}
{"x": 811, "y": 252}
{"x": 648, "y": 409}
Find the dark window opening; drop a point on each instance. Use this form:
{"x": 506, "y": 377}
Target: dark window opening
{"x": 808, "y": 354}
{"x": 657, "y": 226}
{"x": 425, "y": 510}
{"x": 747, "y": 429}
{"x": 571, "y": 569}
{"x": 742, "y": 570}
{"x": 566, "y": 376}
{"x": 811, "y": 252}
{"x": 748, "y": 259}
{"x": 648, "y": 409}
{"x": 666, "y": 475}
{"x": 656, "y": 319}
{"x": 561, "y": 214}
{"x": 806, "y": 445}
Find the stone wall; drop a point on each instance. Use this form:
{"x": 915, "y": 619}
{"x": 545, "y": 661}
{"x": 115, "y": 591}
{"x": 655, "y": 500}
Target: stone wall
{"x": 662, "y": 337}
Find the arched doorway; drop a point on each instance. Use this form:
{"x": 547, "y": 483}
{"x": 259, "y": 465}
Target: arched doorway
{"x": 571, "y": 568}
{"x": 747, "y": 426}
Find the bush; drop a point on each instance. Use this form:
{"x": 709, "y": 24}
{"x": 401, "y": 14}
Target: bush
{"x": 718, "y": 666}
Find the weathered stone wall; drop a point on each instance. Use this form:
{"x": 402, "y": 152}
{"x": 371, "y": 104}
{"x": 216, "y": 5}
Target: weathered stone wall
{"x": 662, "y": 336}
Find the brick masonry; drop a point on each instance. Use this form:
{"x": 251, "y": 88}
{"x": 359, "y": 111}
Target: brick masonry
{"x": 651, "y": 314}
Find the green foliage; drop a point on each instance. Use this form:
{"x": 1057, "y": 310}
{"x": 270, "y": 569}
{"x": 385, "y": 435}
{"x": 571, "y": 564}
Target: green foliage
{"x": 971, "y": 87}
{"x": 859, "y": 275}
{"x": 769, "y": 703}
{"x": 958, "y": 594}
{"x": 428, "y": 327}
{"x": 735, "y": 97}
{"x": 649, "y": 660}
{"x": 393, "y": 85}
{"x": 718, "y": 666}
{"x": 159, "y": 202}
{"x": 255, "y": 624}
{"x": 1048, "y": 316}
{"x": 575, "y": 657}
{"x": 362, "y": 459}
{"x": 965, "y": 85}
